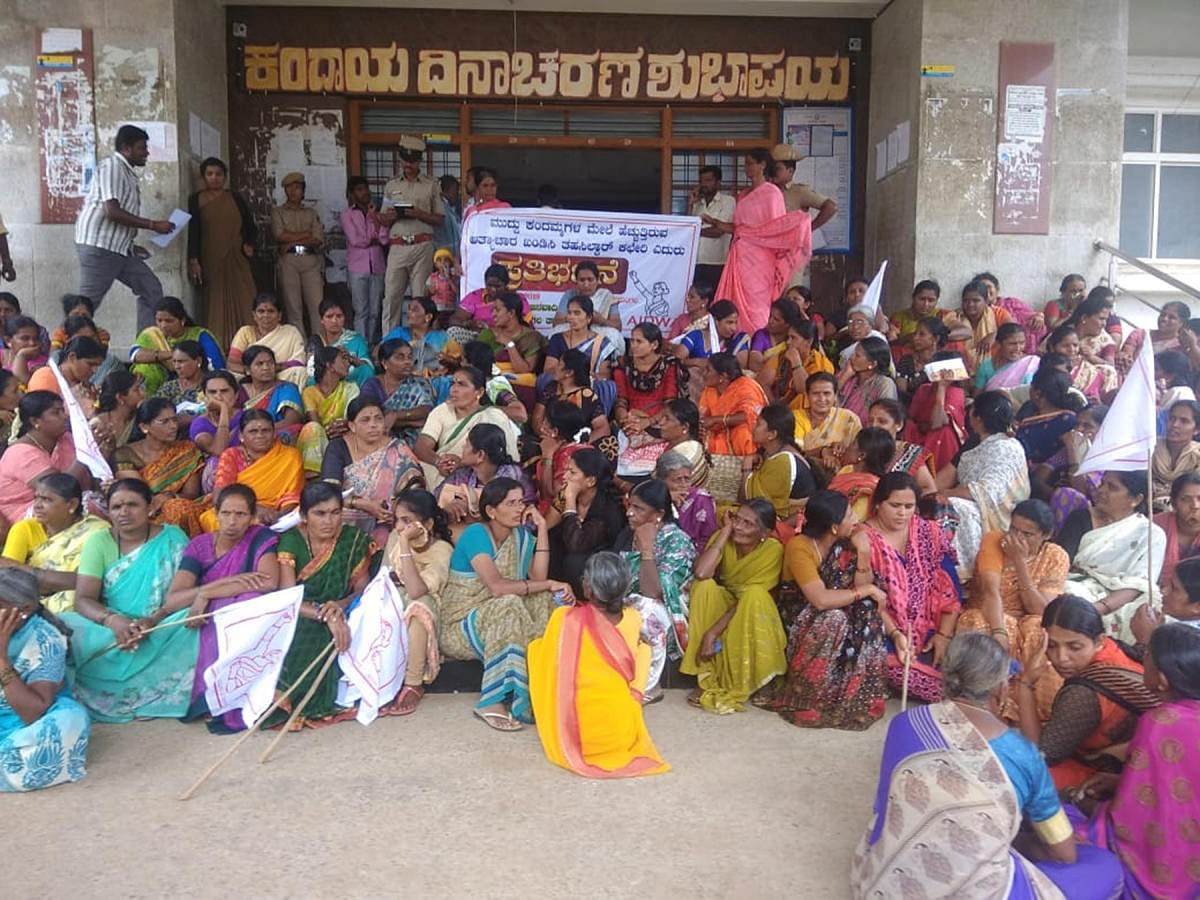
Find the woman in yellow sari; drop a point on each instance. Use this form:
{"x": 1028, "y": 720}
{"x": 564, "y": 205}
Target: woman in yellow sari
{"x": 786, "y": 366}
{"x": 269, "y": 330}
{"x": 269, "y": 467}
{"x": 975, "y": 325}
{"x": 169, "y": 467}
{"x": 586, "y": 677}
{"x": 48, "y": 545}
{"x": 325, "y": 405}
{"x": 825, "y": 430}
{"x": 737, "y": 640}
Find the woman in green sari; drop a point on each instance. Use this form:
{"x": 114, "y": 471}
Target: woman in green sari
{"x": 325, "y": 406}
{"x": 152, "y": 355}
{"x": 124, "y": 573}
{"x": 330, "y": 559}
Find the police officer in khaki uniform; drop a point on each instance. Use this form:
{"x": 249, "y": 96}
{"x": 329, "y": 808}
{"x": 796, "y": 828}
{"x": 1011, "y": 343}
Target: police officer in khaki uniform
{"x": 412, "y": 208}
{"x": 298, "y": 238}
{"x": 799, "y": 196}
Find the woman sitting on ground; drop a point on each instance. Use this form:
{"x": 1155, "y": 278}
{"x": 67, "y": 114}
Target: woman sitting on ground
{"x": 43, "y": 730}
{"x": 418, "y": 552}
{"x": 975, "y": 325}
{"x": 587, "y": 673}
{"x": 988, "y": 480}
{"x": 866, "y": 380}
{"x": 825, "y": 429}
{"x": 234, "y": 563}
{"x": 778, "y": 471}
{"x": 444, "y": 433}
{"x": 266, "y": 465}
{"x": 736, "y": 641}
{"x": 43, "y": 445}
{"x": 1177, "y": 451}
{"x": 909, "y": 457}
{"x": 1096, "y": 709}
{"x": 572, "y": 383}
{"x": 695, "y": 509}
{"x": 606, "y": 315}
{"x": 263, "y": 389}
{"x": 651, "y": 377}
{"x": 1163, "y": 764}
{"x": 1108, "y": 546}
{"x": 1090, "y": 321}
{"x": 729, "y": 407}
{"x": 696, "y": 301}
{"x": 48, "y": 544}
{"x": 904, "y": 323}
{"x": 931, "y": 336}
{"x": 498, "y": 599}
{"x": 187, "y": 387}
{"x": 836, "y": 624}
{"x": 770, "y": 341}
{"x": 484, "y": 457}
{"x": 860, "y": 325}
{"x": 1172, "y": 320}
{"x": 10, "y": 396}
{"x": 1009, "y": 365}
{"x": 77, "y": 306}
{"x": 170, "y": 468}
{"x": 325, "y": 405}
{"x": 23, "y": 352}
{"x": 1071, "y": 291}
{"x": 784, "y": 375}
{"x": 270, "y": 331}
{"x": 332, "y": 332}
{"x": 83, "y": 326}
{"x": 591, "y": 518}
{"x": 78, "y": 363}
{"x": 430, "y": 344}
{"x": 976, "y": 824}
{"x": 121, "y": 394}
{"x": 913, "y": 562}
{"x": 597, "y": 349}
{"x": 406, "y": 398}
{"x": 679, "y": 426}
{"x": 519, "y": 349}
{"x": 120, "y": 594}
{"x": 1044, "y": 433}
{"x": 152, "y": 353}
{"x": 331, "y": 560}
{"x": 1180, "y": 523}
{"x": 866, "y": 462}
{"x": 372, "y": 466}
{"x": 937, "y": 414}
{"x": 696, "y": 346}
{"x": 660, "y": 558}
{"x": 1093, "y": 381}
{"x": 1017, "y": 573}
{"x": 219, "y": 426}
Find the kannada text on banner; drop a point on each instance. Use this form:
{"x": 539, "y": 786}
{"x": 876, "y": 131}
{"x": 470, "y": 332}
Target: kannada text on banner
{"x": 646, "y": 261}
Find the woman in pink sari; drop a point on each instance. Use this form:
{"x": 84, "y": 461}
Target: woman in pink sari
{"x": 769, "y": 244}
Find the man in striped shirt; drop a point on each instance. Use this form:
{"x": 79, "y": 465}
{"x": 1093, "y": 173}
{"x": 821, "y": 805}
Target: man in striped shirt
{"x": 108, "y": 223}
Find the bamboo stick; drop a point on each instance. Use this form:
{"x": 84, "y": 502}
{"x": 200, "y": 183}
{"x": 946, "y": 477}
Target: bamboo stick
{"x": 907, "y": 668}
{"x": 312, "y": 689}
{"x": 114, "y": 644}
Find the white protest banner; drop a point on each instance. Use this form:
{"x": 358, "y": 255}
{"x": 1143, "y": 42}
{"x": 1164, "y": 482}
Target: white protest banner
{"x": 373, "y": 667}
{"x": 253, "y": 637}
{"x": 87, "y": 451}
{"x": 1125, "y": 440}
{"x": 646, "y": 261}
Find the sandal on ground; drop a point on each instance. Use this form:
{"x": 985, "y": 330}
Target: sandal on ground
{"x": 497, "y": 721}
{"x": 653, "y": 696}
{"x": 397, "y": 707}
{"x": 693, "y": 698}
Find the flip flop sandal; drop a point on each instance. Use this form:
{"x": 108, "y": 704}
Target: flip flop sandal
{"x": 656, "y": 697}
{"x": 497, "y": 721}
{"x": 393, "y": 708}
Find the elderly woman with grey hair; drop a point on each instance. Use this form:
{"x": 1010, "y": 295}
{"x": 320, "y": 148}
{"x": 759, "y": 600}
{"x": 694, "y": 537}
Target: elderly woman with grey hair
{"x": 43, "y": 730}
{"x": 964, "y": 781}
{"x": 586, "y": 676}
{"x": 695, "y": 509}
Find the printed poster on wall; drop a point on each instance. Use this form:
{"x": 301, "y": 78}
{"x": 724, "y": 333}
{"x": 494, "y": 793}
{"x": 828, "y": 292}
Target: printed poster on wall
{"x": 822, "y": 134}
{"x": 647, "y": 261}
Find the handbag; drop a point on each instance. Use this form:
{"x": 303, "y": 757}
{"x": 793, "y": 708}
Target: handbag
{"x": 724, "y": 477}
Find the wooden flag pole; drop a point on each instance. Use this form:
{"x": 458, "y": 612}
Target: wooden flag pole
{"x": 198, "y": 618}
{"x": 186, "y": 795}
{"x": 332, "y": 655}
{"x": 1149, "y": 525}
{"x": 907, "y": 668}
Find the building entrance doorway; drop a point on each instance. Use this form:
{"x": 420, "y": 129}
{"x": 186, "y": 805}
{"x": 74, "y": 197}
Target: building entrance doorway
{"x": 586, "y": 178}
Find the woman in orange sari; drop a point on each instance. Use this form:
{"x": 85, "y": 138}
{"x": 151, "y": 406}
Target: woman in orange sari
{"x": 1096, "y": 711}
{"x": 769, "y": 244}
{"x": 169, "y": 467}
{"x": 729, "y": 407}
{"x": 273, "y": 470}
{"x": 586, "y": 677}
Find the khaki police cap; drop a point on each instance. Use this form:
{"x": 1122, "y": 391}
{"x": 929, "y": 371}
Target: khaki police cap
{"x": 411, "y": 144}
{"x": 786, "y": 153}
{"x": 293, "y": 178}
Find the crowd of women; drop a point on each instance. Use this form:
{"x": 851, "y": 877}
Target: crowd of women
{"x": 806, "y": 518}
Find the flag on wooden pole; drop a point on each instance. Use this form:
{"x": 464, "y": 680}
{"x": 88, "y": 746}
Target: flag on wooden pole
{"x": 87, "y": 451}
{"x": 253, "y": 637}
{"x": 1125, "y": 441}
{"x": 373, "y": 667}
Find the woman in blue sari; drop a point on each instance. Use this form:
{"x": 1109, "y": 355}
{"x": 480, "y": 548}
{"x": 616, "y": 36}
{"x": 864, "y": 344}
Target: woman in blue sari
{"x": 697, "y": 345}
{"x": 124, "y": 573}
{"x": 428, "y": 343}
{"x": 43, "y": 730}
{"x": 955, "y": 785}
{"x": 334, "y": 333}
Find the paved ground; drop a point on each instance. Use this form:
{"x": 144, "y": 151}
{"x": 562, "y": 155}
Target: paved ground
{"x": 438, "y": 805}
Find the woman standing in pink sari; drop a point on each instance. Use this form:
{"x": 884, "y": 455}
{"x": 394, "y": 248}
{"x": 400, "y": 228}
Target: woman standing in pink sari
{"x": 769, "y": 244}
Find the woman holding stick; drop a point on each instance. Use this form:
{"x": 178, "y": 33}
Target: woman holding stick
{"x": 330, "y": 560}
{"x": 236, "y": 562}
{"x": 120, "y": 594}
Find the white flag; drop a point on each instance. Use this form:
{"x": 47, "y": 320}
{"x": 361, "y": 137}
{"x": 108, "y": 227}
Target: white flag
{"x": 373, "y": 667}
{"x": 87, "y": 451}
{"x": 253, "y": 637}
{"x": 874, "y": 292}
{"x": 1125, "y": 440}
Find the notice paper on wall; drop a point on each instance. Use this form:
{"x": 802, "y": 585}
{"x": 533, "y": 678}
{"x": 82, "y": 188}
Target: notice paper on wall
{"x": 822, "y": 135}
{"x": 1024, "y": 112}
{"x": 62, "y": 40}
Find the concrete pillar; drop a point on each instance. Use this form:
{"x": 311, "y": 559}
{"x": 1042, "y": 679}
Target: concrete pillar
{"x": 940, "y": 202}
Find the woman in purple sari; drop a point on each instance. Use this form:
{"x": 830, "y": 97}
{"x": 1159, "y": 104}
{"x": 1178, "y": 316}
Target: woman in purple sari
{"x": 234, "y": 563}
{"x": 955, "y": 785}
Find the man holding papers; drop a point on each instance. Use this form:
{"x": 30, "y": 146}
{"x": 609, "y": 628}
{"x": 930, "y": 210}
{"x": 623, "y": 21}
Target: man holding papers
{"x": 108, "y": 223}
